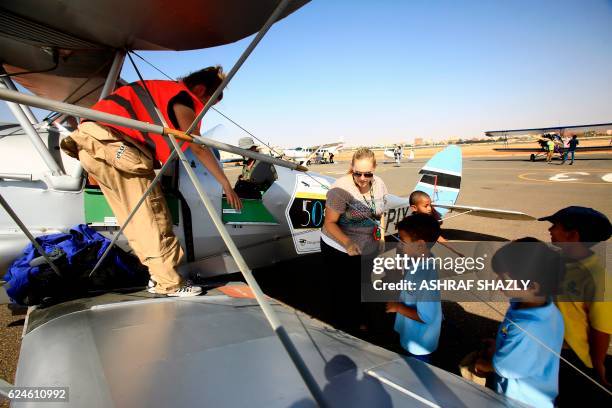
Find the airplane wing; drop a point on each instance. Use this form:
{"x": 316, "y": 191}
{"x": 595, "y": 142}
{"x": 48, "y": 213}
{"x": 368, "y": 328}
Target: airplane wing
{"x": 123, "y": 350}
{"x": 314, "y": 152}
{"x": 488, "y": 212}
{"x": 519, "y": 149}
{"x": 599, "y": 127}
{"x": 325, "y": 146}
{"x": 77, "y": 40}
{"x": 539, "y": 150}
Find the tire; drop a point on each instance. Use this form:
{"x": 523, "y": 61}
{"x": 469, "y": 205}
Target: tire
{"x": 532, "y": 157}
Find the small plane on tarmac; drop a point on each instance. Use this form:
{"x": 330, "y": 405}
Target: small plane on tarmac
{"x": 396, "y": 153}
{"x": 317, "y": 154}
{"x": 228, "y": 158}
{"x": 216, "y": 349}
{"x": 552, "y": 133}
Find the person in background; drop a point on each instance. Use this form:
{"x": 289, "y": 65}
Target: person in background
{"x": 550, "y": 146}
{"x": 397, "y": 152}
{"x": 525, "y": 355}
{"x": 418, "y": 318}
{"x": 247, "y": 143}
{"x": 584, "y": 303}
{"x": 571, "y": 149}
{"x": 420, "y": 202}
{"x": 351, "y": 233}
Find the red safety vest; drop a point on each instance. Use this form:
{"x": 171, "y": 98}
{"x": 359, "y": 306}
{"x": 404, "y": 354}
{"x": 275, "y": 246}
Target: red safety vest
{"x": 131, "y": 101}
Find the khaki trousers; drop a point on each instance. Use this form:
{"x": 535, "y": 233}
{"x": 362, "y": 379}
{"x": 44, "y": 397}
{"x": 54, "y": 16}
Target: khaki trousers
{"x": 124, "y": 173}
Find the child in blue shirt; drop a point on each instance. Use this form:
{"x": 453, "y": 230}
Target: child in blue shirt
{"x": 419, "y": 313}
{"x": 524, "y": 368}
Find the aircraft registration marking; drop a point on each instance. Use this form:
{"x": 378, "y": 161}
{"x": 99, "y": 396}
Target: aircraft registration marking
{"x": 305, "y": 212}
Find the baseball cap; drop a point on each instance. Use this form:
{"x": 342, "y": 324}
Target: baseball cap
{"x": 592, "y": 225}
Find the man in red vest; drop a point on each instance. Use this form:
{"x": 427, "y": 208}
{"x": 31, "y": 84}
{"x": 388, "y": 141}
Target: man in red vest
{"x": 122, "y": 161}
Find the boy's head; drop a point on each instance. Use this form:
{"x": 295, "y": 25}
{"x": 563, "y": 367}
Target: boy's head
{"x": 578, "y": 224}
{"x": 529, "y": 259}
{"x": 420, "y": 229}
{"x": 420, "y": 202}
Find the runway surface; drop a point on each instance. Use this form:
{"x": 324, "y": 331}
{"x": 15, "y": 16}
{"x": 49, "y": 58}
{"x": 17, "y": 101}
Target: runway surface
{"x": 535, "y": 188}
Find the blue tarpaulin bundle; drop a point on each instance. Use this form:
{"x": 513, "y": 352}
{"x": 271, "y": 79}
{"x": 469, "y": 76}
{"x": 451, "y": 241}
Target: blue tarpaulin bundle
{"x": 81, "y": 247}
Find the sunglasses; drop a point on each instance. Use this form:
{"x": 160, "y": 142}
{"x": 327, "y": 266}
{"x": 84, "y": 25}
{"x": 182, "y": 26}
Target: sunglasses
{"x": 367, "y": 174}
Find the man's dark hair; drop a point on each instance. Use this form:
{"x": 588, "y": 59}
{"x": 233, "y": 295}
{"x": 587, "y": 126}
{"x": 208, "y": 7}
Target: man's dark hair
{"x": 210, "y": 77}
{"x": 530, "y": 259}
{"x": 421, "y": 226}
{"x": 417, "y": 196}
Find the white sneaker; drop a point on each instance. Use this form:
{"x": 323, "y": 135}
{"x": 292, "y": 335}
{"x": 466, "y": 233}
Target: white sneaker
{"x": 186, "y": 291}
{"x": 151, "y": 286}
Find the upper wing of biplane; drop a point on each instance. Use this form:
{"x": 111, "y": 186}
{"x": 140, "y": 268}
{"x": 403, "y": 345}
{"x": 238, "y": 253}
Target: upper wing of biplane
{"x": 72, "y": 40}
{"x": 539, "y": 149}
{"x": 599, "y": 127}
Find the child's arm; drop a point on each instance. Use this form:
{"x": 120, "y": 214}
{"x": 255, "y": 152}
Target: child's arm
{"x": 406, "y": 311}
{"x": 484, "y": 366}
{"x": 598, "y": 347}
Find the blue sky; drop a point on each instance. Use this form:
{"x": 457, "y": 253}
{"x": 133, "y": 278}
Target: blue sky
{"x": 394, "y": 70}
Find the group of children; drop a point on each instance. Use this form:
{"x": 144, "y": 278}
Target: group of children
{"x": 562, "y": 313}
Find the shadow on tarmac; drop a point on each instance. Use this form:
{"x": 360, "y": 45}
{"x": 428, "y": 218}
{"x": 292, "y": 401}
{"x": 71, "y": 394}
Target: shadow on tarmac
{"x": 302, "y": 284}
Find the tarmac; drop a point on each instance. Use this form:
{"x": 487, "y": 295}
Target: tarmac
{"x": 501, "y": 182}
{"x": 509, "y": 183}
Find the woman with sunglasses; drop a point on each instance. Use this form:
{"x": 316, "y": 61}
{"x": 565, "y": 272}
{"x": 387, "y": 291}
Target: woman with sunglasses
{"x": 351, "y": 233}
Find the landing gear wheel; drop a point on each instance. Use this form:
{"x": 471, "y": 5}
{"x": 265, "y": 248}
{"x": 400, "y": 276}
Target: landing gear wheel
{"x": 532, "y": 157}
{"x": 308, "y": 163}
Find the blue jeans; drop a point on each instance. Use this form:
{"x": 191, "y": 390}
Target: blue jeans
{"x": 572, "y": 152}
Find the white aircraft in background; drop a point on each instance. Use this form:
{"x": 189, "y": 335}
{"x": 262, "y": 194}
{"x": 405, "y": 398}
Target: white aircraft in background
{"x": 227, "y": 157}
{"x": 317, "y": 154}
{"x": 396, "y": 153}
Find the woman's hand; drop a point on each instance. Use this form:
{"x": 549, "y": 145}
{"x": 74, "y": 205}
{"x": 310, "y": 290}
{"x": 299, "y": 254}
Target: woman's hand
{"x": 352, "y": 249}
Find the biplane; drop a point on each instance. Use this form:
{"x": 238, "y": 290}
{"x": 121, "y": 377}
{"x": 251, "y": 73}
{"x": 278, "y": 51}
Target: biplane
{"x": 556, "y": 134}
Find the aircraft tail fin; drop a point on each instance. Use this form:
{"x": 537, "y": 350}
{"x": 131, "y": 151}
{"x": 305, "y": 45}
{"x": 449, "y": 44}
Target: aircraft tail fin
{"x": 440, "y": 177}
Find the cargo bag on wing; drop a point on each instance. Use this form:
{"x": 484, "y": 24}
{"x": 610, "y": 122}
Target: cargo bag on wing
{"x": 30, "y": 281}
